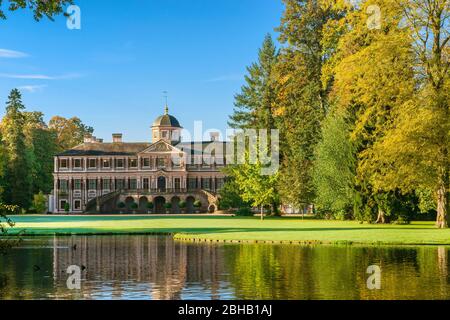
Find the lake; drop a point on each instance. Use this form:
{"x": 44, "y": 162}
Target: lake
{"x": 155, "y": 268}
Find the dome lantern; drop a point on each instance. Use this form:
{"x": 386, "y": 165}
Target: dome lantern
{"x": 166, "y": 127}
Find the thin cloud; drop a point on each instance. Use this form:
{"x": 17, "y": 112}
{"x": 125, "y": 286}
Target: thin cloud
{"x": 6, "y": 53}
{"x": 32, "y": 88}
{"x": 40, "y": 76}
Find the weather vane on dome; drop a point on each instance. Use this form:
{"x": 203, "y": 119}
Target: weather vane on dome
{"x": 167, "y": 105}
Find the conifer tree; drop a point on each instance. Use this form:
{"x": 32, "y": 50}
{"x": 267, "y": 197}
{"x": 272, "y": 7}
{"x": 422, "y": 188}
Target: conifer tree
{"x": 18, "y": 174}
{"x": 254, "y": 104}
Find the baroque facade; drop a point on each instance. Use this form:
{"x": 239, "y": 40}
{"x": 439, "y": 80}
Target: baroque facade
{"x": 99, "y": 177}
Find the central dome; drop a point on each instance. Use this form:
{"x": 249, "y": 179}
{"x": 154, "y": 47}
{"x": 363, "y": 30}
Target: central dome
{"x": 166, "y": 120}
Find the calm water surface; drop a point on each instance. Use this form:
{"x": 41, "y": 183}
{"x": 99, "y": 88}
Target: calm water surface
{"x": 146, "y": 267}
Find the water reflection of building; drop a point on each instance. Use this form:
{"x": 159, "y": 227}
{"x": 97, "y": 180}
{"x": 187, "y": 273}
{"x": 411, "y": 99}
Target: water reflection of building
{"x": 157, "y": 265}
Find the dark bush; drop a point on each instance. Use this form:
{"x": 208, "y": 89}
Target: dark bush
{"x": 244, "y": 212}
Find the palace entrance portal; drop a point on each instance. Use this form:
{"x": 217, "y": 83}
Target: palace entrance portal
{"x": 159, "y": 203}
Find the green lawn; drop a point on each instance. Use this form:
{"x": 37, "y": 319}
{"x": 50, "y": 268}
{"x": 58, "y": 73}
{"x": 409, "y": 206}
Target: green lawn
{"x": 237, "y": 228}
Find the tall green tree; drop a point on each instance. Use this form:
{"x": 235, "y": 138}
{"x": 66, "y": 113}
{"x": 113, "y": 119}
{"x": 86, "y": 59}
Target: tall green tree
{"x": 3, "y": 167}
{"x": 254, "y": 104}
{"x": 302, "y": 97}
{"x": 335, "y": 166}
{"x": 41, "y": 142}
{"x": 230, "y": 196}
{"x": 18, "y": 177}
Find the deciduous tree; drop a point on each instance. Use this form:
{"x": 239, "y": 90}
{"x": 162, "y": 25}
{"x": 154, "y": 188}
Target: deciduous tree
{"x": 302, "y": 100}
{"x": 40, "y": 8}
{"x": 69, "y": 132}
{"x": 335, "y": 165}
{"x": 41, "y": 143}
{"x": 256, "y": 188}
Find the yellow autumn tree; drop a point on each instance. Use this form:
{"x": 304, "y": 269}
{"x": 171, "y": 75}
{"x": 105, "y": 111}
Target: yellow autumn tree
{"x": 413, "y": 152}
{"x": 373, "y": 75}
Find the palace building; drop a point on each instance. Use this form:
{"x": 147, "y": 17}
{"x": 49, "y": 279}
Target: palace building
{"x": 99, "y": 177}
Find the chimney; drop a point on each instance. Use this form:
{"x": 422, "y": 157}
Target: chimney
{"x": 117, "y": 137}
{"x": 88, "y": 138}
{"x": 214, "y": 136}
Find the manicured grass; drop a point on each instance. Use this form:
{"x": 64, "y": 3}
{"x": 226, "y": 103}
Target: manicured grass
{"x": 237, "y": 228}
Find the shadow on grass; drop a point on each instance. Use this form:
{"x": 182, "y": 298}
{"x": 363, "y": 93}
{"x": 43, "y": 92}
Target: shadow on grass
{"x": 50, "y": 218}
{"x": 192, "y": 230}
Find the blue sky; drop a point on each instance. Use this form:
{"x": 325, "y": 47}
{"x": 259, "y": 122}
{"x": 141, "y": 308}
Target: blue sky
{"x": 112, "y": 72}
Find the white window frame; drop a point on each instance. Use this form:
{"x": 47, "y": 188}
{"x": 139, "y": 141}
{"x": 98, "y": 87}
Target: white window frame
{"x": 106, "y": 161}
{"x": 61, "y": 206}
{"x": 89, "y": 163}
{"x": 75, "y": 206}
{"x": 123, "y": 163}
{"x": 74, "y": 163}
{"x": 67, "y": 164}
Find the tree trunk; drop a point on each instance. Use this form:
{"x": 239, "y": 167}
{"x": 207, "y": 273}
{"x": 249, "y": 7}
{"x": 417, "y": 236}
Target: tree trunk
{"x": 262, "y": 213}
{"x": 442, "y": 206}
{"x": 381, "y": 217}
{"x": 275, "y": 210}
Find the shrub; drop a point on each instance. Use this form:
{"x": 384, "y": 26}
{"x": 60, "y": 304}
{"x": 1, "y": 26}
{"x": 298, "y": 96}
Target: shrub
{"x": 403, "y": 219}
{"x": 244, "y": 212}
{"x": 39, "y": 203}
{"x": 342, "y": 215}
{"x": 67, "y": 207}
{"x": 197, "y": 204}
{"x": 150, "y": 205}
{"x": 168, "y": 205}
{"x": 121, "y": 205}
{"x": 32, "y": 210}
{"x": 183, "y": 204}
{"x": 134, "y": 206}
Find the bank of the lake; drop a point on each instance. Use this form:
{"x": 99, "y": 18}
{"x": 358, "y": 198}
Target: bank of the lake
{"x": 236, "y": 229}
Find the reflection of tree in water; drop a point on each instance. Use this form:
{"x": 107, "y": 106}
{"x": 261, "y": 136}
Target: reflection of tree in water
{"x": 443, "y": 265}
{"x": 329, "y": 272}
{"x": 147, "y": 267}
{"x": 156, "y": 264}
{"x": 3, "y": 281}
